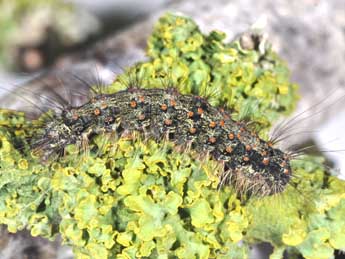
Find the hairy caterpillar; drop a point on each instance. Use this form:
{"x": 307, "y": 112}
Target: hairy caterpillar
{"x": 251, "y": 164}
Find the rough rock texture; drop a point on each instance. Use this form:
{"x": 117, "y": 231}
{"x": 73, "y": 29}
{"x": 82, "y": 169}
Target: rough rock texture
{"x": 309, "y": 34}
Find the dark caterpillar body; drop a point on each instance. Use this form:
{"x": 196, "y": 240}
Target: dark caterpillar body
{"x": 251, "y": 164}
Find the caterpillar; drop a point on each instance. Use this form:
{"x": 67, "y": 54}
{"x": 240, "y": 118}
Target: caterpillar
{"x": 249, "y": 162}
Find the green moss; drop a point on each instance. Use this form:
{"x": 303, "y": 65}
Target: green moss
{"x": 142, "y": 199}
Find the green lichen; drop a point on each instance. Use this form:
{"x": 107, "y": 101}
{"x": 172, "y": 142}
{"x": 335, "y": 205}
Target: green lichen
{"x": 135, "y": 198}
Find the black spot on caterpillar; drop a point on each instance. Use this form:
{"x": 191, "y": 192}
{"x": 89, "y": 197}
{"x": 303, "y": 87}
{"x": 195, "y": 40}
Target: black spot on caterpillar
{"x": 250, "y": 163}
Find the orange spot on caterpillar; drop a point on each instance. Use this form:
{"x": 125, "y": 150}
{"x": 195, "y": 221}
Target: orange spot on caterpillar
{"x": 164, "y": 107}
{"x": 283, "y": 164}
{"x": 133, "y": 104}
{"x": 200, "y": 111}
{"x": 286, "y": 171}
{"x": 168, "y": 122}
{"x": 238, "y": 135}
{"x": 212, "y": 124}
{"x": 97, "y": 111}
{"x": 222, "y": 123}
{"x": 231, "y": 136}
{"x": 212, "y": 140}
{"x": 190, "y": 114}
{"x": 141, "y": 98}
{"x": 246, "y": 158}
{"x": 172, "y": 102}
{"x": 229, "y": 149}
{"x": 192, "y": 130}
{"x": 75, "y": 116}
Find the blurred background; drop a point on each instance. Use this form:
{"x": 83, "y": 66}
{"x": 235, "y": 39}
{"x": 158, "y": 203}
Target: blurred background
{"x": 45, "y": 44}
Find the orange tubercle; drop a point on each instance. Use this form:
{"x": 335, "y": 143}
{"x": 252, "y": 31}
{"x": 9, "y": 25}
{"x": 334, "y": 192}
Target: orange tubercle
{"x": 212, "y": 124}
{"x": 229, "y": 149}
{"x": 212, "y": 140}
{"x": 97, "y": 111}
{"x": 190, "y": 114}
{"x": 133, "y": 104}
{"x": 200, "y": 111}
{"x": 192, "y": 130}
{"x": 168, "y": 122}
